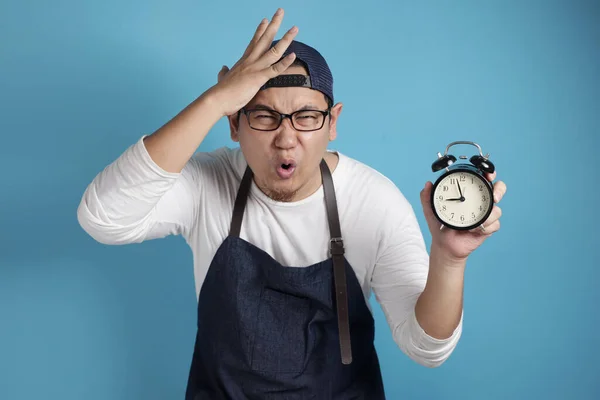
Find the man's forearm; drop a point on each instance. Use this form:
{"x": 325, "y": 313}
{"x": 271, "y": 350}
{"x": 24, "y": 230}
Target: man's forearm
{"x": 171, "y": 146}
{"x": 439, "y": 307}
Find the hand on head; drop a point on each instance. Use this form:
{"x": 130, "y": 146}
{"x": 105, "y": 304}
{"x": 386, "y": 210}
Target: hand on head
{"x": 259, "y": 63}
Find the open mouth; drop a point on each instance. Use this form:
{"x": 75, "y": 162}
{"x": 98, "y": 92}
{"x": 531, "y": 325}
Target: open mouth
{"x": 286, "y": 170}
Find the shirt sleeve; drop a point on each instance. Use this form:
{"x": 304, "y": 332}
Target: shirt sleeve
{"x": 133, "y": 199}
{"x": 398, "y": 279}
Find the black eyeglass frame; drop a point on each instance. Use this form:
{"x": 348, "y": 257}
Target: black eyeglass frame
{"x": 283, "y": 116}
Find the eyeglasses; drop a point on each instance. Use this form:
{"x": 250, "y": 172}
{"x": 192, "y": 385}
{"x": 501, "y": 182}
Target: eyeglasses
{"x": 270, "y": 120}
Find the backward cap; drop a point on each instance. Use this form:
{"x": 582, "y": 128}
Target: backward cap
{"x": 318, "y": 69}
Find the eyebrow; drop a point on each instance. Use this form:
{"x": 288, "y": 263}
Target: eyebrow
{"x": 308, "y": 106}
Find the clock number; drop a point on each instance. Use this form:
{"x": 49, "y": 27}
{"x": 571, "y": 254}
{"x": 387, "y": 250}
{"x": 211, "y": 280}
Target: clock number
{"x": 462, "y": 217}
{"x": 481, "y": 188}
{"x": 463, "y": 178}
{"x": 472, "y": 215}
{"x": 441, "y": 197}
{"x": 480, "y": 208}
{"x": 445, "y": 188}
{"x": 452, "y": 216}
{"x": 483, "y": 198}
{"x": 452, "y": 181}
{"x": 444, "y": 208}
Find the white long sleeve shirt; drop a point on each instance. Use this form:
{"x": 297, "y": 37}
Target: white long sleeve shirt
{"x": 133, "y": 200}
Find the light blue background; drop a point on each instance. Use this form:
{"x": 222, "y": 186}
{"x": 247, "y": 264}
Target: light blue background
{"x": 81, "y": 80}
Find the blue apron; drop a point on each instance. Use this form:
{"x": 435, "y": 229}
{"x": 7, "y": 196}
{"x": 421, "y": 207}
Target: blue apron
{"x": 272, "y": 332}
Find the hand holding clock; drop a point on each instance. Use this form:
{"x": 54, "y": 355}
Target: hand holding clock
{"x": 456, "y": 244}
{"x": 457, "y": 229}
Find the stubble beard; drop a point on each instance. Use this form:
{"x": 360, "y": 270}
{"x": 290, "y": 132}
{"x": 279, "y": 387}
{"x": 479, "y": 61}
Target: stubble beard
{"x": 280, "y": 195}
{"x": 283, "y": 196}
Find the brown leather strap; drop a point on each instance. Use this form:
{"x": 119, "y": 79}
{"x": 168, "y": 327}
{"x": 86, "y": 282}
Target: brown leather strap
{"x": 240, "y": 203}
{"x": 336, "y": 247}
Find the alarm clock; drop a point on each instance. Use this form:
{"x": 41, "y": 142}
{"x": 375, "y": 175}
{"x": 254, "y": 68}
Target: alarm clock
{"x": 462, "y": 198}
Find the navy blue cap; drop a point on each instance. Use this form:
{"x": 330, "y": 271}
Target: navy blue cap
{"x": 319, "y": 75}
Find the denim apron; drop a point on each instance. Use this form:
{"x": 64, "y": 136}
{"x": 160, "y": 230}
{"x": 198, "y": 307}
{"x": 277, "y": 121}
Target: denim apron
{"x": 272, "y": 332}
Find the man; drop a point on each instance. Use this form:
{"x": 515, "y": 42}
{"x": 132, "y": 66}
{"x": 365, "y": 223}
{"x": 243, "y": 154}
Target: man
{"x": 288, "y": 237}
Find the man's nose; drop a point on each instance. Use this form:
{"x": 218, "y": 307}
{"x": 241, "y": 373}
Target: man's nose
{"x": 286, "y": 136}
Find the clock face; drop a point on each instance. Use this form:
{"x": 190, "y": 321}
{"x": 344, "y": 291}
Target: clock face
{"x": 462, "y": 199}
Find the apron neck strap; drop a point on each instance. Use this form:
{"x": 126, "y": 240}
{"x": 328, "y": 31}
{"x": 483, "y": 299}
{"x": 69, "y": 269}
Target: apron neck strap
{"x": 240, "y": 203}
{"x": 330, "y": 204}
{"x": 336, "y": 249}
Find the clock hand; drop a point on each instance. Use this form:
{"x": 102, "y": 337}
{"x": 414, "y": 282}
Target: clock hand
{"x": 458, "y": 198}
{"x": 462, "y": 198}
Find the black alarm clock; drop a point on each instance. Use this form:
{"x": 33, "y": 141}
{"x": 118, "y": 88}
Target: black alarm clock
{"x": 462, "y": 198}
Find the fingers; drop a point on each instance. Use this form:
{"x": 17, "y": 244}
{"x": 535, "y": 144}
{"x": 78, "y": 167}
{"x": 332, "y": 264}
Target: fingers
{"x": 261, "y": 41}
{"x": 265, "y": 40}
{"x": 494, "y": 215}
{"x": 222, "y": 73}
{"x": 499, "y": 191}
{"x": 425, "y": 192}
{"x": 491, "y": 224}
{"x": 488, "y": 229}
{"x": 281, "y": 66}
{"x": 277, "y": 51}
{"x": 490, "y": 177}
{"x": 426, "y": 205}
{"x": 260, "y": 30}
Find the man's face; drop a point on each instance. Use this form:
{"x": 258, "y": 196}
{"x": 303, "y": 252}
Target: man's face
{"x": 268, "y": 151}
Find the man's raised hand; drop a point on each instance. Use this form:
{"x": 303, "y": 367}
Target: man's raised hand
{"x": 259, "y": 63}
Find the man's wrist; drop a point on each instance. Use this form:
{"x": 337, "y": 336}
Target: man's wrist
{"x": 440, "y": 258}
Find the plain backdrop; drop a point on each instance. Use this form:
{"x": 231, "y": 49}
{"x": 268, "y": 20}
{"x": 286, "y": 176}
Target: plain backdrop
{"x": 80, "y": 81}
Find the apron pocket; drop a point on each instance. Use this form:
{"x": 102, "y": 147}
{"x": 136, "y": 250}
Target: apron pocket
{"x": 280, "y": 343}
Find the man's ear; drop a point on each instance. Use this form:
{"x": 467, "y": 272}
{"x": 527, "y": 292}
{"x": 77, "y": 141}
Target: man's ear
{"x": 336, "y": 110}
{"x": 234, "y": 126}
